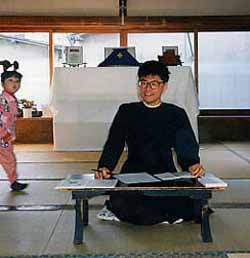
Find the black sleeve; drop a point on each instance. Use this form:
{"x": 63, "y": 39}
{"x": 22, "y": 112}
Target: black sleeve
{"x": 186, "y": 146}
{"x": 114, "y": 145}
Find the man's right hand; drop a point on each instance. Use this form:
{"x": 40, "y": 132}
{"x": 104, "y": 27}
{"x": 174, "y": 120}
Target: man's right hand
{"x": 103, "y": 173}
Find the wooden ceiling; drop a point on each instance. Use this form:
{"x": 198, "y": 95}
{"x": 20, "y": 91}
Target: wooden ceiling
{"x": 134, "y": 7}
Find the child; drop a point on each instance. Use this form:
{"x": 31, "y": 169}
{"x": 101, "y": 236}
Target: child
{"x": 11, "y": 82}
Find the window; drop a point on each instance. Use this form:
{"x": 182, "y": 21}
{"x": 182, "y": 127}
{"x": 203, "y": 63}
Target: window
{"x": 93, "y": 46}
{"x": 224, "y": 70}
{"x": 31, "y": 51}
{"x": 149, "y": 45}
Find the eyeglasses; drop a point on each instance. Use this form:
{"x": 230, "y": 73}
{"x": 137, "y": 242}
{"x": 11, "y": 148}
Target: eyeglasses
{"x": 152, "y": 84}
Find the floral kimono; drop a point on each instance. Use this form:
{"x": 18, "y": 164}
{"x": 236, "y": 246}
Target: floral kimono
{"x": 8, "y": 114}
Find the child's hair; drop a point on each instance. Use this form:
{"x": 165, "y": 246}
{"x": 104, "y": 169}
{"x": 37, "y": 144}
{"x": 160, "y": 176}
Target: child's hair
{"x": 7, "y": 74}
{"x": 154, "y": 68}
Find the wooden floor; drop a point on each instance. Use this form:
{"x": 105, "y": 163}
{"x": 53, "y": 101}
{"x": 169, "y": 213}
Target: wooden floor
{"x": 35, "y": 229}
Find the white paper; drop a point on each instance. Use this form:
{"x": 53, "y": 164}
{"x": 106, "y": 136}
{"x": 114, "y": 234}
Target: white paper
{"x": 167, "y": 176}
{"x": 85, "y": 181}
{"x": 136, "y": 178}
{"x": 210, "y": 180}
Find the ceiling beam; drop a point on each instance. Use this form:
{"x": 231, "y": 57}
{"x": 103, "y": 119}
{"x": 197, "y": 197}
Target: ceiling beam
{"x": 112, "y": 24}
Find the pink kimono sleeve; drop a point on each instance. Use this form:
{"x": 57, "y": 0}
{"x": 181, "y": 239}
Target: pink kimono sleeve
{"x": 6, "y": 118}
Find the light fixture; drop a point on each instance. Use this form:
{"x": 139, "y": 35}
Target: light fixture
{"x": 122, "y": 10}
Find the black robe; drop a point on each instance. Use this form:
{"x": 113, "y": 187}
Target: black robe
{"x": 150, "y": 134}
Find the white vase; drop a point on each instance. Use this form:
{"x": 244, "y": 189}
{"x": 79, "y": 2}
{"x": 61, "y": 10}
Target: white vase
{"x": 27, "y": 112}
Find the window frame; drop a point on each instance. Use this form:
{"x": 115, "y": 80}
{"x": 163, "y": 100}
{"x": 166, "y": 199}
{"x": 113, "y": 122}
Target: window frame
{"x": 194, "y": 24}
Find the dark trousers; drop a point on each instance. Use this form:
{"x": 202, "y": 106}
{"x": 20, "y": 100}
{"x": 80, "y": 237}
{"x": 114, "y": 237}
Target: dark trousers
{"x": 148, "y": 210}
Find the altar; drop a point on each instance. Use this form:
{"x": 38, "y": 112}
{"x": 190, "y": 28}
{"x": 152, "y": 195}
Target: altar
{"x": 85, "y": 100}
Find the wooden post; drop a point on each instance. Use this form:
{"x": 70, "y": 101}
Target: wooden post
{"x": 51, "y": 56}
{"x": 123, "y": 38}
{"x": 196, "y": 56}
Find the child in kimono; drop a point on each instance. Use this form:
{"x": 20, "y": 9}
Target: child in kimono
{"x": 11, "y": 82}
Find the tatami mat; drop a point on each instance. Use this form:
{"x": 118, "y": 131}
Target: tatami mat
{"x": 243, "y": 154}
{"x": 213, "y": 146}
{"x": 38, "y": 193}
{"x": 33, "y": 147}
{"x": 52, "y": 170}
{"x": 51, "y": 232}
{"x": 238, "y": 255}
{"x": 225, "y": 164}
{"x": 43, "y": 192}
{"x": 51, "y": 156}
{"x": 227, "y": 160}
{"x": 124, "y": 237}
{"x": 237, "y": 145}
{"x": 236, "y": 192}
{"x": 26, "y": 232}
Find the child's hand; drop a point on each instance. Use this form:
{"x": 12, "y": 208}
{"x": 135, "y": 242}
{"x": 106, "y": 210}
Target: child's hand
{"x": 7, "y": 137}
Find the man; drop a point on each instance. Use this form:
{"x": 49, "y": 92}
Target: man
{"x": 150, "y": 129}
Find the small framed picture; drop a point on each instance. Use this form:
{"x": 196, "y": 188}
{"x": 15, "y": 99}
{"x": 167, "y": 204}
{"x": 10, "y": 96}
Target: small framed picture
{"x": 167, "y": 48}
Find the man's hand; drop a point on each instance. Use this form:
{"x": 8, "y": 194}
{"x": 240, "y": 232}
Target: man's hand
{"x": 197, "y": 170}
{"x": 103, "y": 173}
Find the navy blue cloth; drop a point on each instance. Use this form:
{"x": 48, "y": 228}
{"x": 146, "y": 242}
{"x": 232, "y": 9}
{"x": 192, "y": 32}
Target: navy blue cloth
{"x": 120, "y": 57}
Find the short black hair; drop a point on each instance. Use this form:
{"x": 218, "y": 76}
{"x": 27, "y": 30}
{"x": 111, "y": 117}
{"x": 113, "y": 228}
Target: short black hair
{"x": 153, "y": 67}
{"x": 7, "y": 74}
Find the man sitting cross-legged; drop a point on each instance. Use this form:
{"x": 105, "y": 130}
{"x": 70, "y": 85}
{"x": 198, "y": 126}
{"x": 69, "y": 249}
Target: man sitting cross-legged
{"x": 150, "y": 129}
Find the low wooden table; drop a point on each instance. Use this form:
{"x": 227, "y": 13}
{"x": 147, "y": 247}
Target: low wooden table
{"x": 198, "y": 193}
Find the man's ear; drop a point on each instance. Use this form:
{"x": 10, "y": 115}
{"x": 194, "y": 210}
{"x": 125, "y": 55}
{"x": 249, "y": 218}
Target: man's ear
{"x": 165, "y": 87}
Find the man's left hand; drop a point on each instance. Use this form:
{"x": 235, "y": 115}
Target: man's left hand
{"x": 197, "y": 170}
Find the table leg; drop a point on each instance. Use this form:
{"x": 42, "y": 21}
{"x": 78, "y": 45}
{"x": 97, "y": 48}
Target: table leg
{"x": 78, "y": 238}
{"x": 197, "y": 211}
{"x": 85, "y": 208}
{"x": 205, "y": 226}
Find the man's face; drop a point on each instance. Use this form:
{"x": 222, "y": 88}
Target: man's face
{"x": 12, "y": 84}
{"x": 151, "y": 88}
